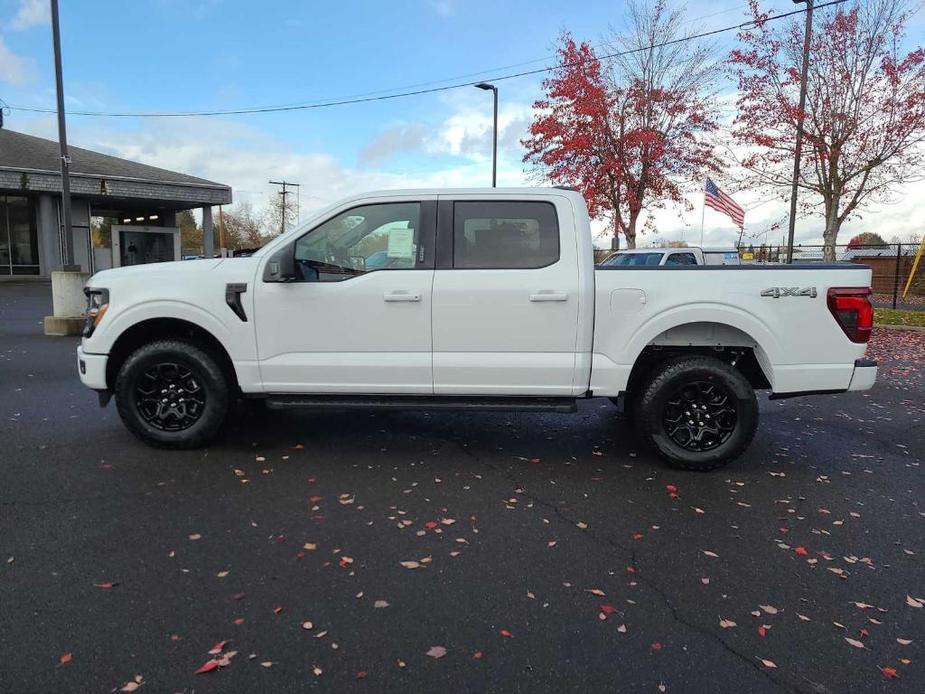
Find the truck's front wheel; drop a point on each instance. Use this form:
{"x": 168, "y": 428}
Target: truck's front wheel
{"x": 172, "y": 394}
{"x": 698, "y": 412}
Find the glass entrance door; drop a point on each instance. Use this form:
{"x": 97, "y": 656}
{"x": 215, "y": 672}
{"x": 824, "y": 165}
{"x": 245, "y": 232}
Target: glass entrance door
{"x": 142, "y": 247}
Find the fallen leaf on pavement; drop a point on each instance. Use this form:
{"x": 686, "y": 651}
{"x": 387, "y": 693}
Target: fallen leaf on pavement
{"x": 65, "y": 659}
{"x": 208, "y": 666}
{"x": 436, "y": 652}
{"x": 726, "y": 623}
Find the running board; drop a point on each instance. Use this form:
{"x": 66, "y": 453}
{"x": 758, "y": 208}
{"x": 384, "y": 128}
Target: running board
{"x": 420, "y": 402}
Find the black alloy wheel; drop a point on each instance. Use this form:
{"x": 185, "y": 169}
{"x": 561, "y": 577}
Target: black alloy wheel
{"x": 700, "y": 416}
{"x": 169, "y": 396}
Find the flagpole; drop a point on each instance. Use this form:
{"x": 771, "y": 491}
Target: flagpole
{"x": 703, "y": 213}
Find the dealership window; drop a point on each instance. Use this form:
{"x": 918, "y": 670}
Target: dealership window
{"x": 19, "y": 253}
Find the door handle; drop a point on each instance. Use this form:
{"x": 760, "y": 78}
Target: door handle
{"x": 547, "y": 295}
{"x": 401, "y": 295}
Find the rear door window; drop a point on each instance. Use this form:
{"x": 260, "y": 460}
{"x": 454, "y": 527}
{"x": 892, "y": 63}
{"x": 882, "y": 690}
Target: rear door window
{"x": 504, "y": 235}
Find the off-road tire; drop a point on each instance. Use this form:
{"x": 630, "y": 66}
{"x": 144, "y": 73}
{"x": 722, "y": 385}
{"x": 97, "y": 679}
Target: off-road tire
{"x": 208, "y": 375}
{"x": 674, "y": 376}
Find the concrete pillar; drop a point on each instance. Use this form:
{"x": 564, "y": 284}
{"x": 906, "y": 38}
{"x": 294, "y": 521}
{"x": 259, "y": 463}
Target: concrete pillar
{"x": 208, "y": 240}
{"x": 68, "y": 302}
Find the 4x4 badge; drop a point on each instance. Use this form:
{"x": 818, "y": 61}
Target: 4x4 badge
{"x": 778, "y": 292}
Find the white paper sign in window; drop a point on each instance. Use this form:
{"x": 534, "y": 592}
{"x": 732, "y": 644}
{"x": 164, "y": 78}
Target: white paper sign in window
{"x": 401, "y": 243}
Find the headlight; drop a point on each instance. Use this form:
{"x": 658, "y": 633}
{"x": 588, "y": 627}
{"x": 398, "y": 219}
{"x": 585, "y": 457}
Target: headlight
{"x": 97, "y": 303}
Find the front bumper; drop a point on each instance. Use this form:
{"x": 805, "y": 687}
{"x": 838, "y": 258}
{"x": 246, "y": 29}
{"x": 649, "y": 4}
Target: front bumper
{"x": 865, "y": 373}
{"x": 92, "y": 369}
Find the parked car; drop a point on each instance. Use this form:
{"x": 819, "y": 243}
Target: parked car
{"x": 656, "y": 257}
{"x": 490, "y": 300}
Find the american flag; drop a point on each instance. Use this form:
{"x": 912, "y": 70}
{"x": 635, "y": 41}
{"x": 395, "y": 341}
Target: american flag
{"x": 719, "y": 201}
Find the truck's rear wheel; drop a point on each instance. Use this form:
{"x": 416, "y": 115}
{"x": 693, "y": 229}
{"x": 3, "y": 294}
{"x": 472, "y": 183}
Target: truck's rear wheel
{"x": 172, "y": 394}
{"x": 698, "y": 413}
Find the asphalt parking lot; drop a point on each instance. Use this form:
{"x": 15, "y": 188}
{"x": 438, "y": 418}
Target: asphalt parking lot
{"x": 455, "y": 552}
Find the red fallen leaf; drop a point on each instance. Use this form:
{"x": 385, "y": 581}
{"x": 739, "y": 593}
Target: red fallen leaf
{"x": 314, "y": 499}
{"x": 656, "y": 646}
{"x": 107, "y": 585}
{"x": 630, "y": 570}
{"x": 801, "y": 551}
{"x": 217, "y": 648}
{"x": 430, "y": 525}
{"x": 65, "y": 659}
{"x": 762, "y": 631}
{"x": 175, "y": 637}
{"x": 239, "y": 621}
{"x": 361, "y": 675}
{"x": 608, "y": 609}
{"x": 672, "y": 490}
{"x": 637, "y": 536}
{"x": 345, "y": 562}
{"x": 298, "y": 447}
{"x": 207, "y": 666}
{"x": 864, "y": 632}
{"x": 277, "y": 610}
{"x": 784, "y": 530}
{"x": 889, "y": 672}
{"x": 506, "y": 634}
{"x": 477, "y": 655}
{"x": 535, "y": 461}
{"x": 238, "y": 596}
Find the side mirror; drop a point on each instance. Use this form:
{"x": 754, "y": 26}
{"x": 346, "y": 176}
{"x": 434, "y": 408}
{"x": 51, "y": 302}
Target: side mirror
{"x": 281, "y": 266}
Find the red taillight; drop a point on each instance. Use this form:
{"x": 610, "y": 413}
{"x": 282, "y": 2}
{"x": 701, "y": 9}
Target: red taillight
{"x": 851, "y": 308}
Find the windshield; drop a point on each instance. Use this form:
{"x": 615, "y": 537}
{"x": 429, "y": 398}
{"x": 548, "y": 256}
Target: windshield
{"x": 623, "y": 259}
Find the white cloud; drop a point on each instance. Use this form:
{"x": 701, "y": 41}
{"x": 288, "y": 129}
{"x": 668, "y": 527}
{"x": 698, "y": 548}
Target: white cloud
{"x": 31, "y": 13}
{"x": 246, "y": 158}
{"x": 14, "y": 70}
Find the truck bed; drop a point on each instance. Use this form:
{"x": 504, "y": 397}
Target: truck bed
{"x": 780, "y": 312}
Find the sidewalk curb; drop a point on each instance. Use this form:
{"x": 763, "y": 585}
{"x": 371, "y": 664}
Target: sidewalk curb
{"x": 913, "y": 328}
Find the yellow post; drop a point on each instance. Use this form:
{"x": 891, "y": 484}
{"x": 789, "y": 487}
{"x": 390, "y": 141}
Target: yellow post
{"x": 915, "y": 265}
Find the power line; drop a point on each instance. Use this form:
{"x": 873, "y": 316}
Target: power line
{"x": 374, "y": 96}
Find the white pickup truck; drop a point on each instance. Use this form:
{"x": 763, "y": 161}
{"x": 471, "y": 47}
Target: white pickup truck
{"x": 470, "y": 299}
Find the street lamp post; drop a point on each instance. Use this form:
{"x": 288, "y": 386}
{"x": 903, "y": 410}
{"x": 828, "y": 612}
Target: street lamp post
{"x": 494, "y": 142}
{"x": 798, "y": 147}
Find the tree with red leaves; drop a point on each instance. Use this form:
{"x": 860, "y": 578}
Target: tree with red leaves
{"x": 868, "y": 239}
{"x": 631, "y": 135}
{"x": 864, "y": 122}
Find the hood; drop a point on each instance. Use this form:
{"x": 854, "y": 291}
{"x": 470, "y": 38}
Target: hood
{"x": 172, "y": 269}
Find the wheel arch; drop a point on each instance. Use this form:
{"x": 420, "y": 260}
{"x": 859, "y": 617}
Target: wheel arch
{"x": 735, "y": 338}
{"x": 151, "y": 329}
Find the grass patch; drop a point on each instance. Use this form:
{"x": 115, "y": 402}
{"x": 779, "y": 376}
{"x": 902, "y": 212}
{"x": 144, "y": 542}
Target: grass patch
{"x": 889, "y": 316}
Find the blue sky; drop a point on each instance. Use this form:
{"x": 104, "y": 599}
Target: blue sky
{"x": 155, "y": 55}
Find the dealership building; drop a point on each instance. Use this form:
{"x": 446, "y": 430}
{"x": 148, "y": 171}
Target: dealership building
{"x": 141, "y": 200}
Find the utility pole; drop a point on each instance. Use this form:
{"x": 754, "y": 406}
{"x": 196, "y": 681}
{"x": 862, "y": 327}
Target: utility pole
{"x": 798, "y": 148}
{"x": 284, "y": 193}
{"x": 68, "y": 259}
